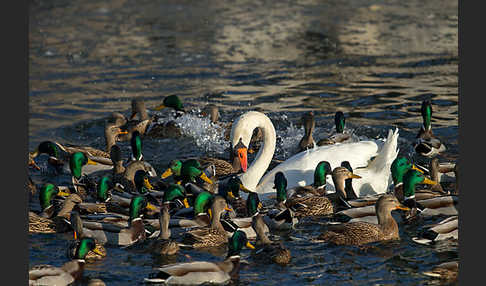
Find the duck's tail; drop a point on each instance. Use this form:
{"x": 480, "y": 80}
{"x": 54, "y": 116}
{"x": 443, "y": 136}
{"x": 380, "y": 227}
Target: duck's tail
{"x": 388, "y": 152}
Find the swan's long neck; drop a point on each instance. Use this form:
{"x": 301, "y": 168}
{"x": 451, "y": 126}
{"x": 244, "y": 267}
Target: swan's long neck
{"x": 243, "y": 128}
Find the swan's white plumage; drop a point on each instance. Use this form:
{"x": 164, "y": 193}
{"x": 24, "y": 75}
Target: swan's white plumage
{"x": 299, "y": 169}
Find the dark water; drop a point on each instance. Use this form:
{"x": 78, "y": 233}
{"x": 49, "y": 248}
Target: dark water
{"x": 374, "y": 60}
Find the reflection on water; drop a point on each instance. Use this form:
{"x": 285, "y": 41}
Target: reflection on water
{"x": 375, "y": 61}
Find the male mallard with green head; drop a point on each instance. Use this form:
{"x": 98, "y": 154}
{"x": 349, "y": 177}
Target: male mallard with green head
{"x": 203, "y": 272}
{"x": 68, "y": 273}
{"x": 427, "y": 144}
{"x": 359, "y": 233}
{"x": 340, "y": 136}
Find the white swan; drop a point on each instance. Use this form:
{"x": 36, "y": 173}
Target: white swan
{"x": 299, "y": 169}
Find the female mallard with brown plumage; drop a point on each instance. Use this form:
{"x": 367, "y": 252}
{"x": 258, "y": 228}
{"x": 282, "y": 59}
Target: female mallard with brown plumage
{"x": 359, "y": 233}
{"x": 307, "y": 141}
{"x": 267, "y": 250}
{"x": 66, "y": 274}
{"x": 214, "y": 235}
{"x": 427, "y": 144}
{"x": 315, "y": 205}
{"x": 163, "y": 245}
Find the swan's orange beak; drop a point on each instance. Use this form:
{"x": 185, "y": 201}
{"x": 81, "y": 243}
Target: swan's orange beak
{"x": 243, "y": 156}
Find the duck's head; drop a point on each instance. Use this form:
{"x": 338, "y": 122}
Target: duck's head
{"x": 280, "y": 184}
{"x": 322, "y": 170}
{"x": 177, "y": 194}
{"x": 239, "y": 155}
{"x": 103, "y": 188}
{"x": 236, "y": 243}
{"x": 175, "y": 167}
{"x": 46, "y": 147}
{"x": 172, "y": 101}
{"x": 399, "y": 167}
{"x": 76, "y": 163}
{"x": 309, "y": 123}
{"x": 137, "y": 205}
{"x": 212, "y": 111}
{"x": 192, "y": 172}
{"x": 141, "y": 181}
{"x": 426, "y": 111}
{"x": 112, "y": 131}
{"x": 202, "y": 203}
{"x": 138, "y": 107}
{"x": 386, "y": 203}
{"x": 234, "y": 187}
{"x": 339, "y": 121}
{"x": 86, "y": 245}
{"x": 410, "y": 180}
{"x": 253, "y": 203}
{"x": 136, "y": 144}
{"x": 47, "y": 192}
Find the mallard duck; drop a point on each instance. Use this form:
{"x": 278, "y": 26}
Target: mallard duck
{"x": 340, "y": 136}
{"x": 185, "y": 172}
{"x": 278, "y": 216}
{"x": 427, "y": 144}
{"x": 175, "y": 196}
{"x": 116, "y": 236}
{"x": 359, "y": 233}
{"x": 309, "y": 123}
{"x": 265, "y": 249}
{"x": 203, "y": 272}
{"x": 215, "y": 234}
{"x": 163, "y": 245}
{"x": 445, "y": 204}
{"x": 77, "y": 225}
{"x": 317, "y": 205}
{"x": 445, "y": 229}
{"x": 66, "y": 274}
{"x": 446, "y": 272}
{"x": 60, "y": 153}
{"x": 318, "y": 186}
{"x": 231, "y": 192}
{"x": 52, "y": 218}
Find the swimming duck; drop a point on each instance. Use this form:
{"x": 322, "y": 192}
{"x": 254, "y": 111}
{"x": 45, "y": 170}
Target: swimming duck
{"x": 66, "y": 274}
{"x": 445, "y": 204}
{"x": 60, "y": 153}
{"x": 317, "y": 205}
{"x": 318, "y": 186}
{"x": 307, "y": 141}
{"x": 116, "y": 236}
{"x": 185, "y": 172}
{"x": 427, "y": 144}
{"x": 231, "y": 192}
{"x": 52, "y": 218}
{"x": 77, "y": 225}
{"x": 215, "y": 234}
{"x": 203, "y": 272}
{"x": 340, "y": 136}
{"x": 163, "y": 245}
{"x": 175, "y": 196}
{"x": 446, "y": 272}
{"x": 278, "y": 216}
{"x": 445, "y": 229}
{"x": 267, "y": 250}
{"x": 359, "y": 233}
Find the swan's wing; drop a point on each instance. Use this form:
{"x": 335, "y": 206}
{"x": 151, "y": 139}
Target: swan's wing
{"x": 299, "y": 169}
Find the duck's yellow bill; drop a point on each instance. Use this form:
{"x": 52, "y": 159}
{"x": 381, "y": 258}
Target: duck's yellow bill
{"x": 228, "y": 209}
{"x": 167, "y": 173}
{"x": 147, "y": 184}
{"x": 75, "y": 235}
{"x": 251, "y": 151}
{"x": 244, "y": 189}
{"x": 98, "y": 251}
{"x": 121, "y": 132}
{"x": 162, "y": 106}
{"x": 205, "y": 178}
{"x": 429, "y": 182}
{"x": 231, "y": 196}
{"x": 91, "y": 162}
{"x": 186, "y": 203}
{"x": 249, "y": 245}
{"x": 210, "y": 213}
{"x": 354, "y": 176}
{"x": 63, "y": 194}
{"x": 402, "y": 207}
{"x": 260, "y": 205}
{"x": 151, "y": 207}
{"x": 416, "y": 168}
